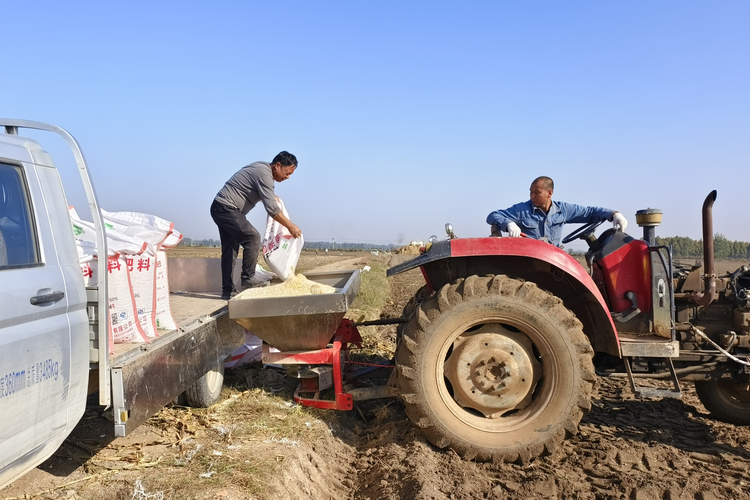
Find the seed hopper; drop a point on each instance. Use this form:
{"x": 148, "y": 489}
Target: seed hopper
{"x": 309, "y": 334}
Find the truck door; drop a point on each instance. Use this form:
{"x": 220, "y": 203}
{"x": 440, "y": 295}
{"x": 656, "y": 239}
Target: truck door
{"x": 39, "y": 311}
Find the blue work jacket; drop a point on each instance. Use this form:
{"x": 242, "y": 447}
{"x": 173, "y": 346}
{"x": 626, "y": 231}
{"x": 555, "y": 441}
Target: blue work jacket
{"x": 536, "y": 224}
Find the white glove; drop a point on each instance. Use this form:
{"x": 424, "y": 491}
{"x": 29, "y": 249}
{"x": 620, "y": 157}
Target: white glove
{"x": 619, "y": 220}
{"x": 513, "y": 230}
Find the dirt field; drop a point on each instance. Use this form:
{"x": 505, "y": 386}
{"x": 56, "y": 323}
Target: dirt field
{"x": 256, "y": 444}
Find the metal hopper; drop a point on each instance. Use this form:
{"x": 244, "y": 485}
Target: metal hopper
{"x": 299, "y": 322}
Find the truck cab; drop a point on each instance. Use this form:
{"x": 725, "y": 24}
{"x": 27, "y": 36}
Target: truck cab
{"x": 55, "y": 342}
{"x": 44, "y": 326}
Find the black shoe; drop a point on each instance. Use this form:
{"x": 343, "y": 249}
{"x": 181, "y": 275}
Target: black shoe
{"x": 253, "y": 282}
{"x": 226, "y": 295}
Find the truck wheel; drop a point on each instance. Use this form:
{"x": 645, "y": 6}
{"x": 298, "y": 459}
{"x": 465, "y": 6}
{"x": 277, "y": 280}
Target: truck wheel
{"x": 495, "y": 369}
{"x": 726, "y": 400}
{"x": 207, "y": 389}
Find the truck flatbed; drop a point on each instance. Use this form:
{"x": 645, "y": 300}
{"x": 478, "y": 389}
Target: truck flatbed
{"x": 147, "y": 376}
{"x": 187, "y": 309}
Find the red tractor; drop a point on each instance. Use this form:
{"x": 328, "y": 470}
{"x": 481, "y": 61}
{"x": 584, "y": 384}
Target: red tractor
{"x": 502, "y": 346}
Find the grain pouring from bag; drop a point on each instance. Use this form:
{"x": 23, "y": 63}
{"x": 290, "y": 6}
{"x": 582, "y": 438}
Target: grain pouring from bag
{"x": 297, "y": 285}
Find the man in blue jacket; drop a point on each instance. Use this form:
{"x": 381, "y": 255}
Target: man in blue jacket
{"x": 542, "y": 219}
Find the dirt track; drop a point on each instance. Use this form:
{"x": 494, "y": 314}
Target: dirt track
{"x": 625, "y": 449}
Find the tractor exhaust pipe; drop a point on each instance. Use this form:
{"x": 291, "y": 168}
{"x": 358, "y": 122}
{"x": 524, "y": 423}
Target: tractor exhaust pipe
{"x": 709, "y": 278}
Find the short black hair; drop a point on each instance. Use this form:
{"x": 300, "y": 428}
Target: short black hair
{"x": 286, "y": 159}
{"x": 545, "y": 181}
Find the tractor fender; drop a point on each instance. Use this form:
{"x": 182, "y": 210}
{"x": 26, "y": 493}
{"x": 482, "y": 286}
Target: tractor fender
{"x": 551, "y": 268}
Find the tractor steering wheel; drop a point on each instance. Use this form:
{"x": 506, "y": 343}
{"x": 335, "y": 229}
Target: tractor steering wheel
{"x": 582, "y": 231}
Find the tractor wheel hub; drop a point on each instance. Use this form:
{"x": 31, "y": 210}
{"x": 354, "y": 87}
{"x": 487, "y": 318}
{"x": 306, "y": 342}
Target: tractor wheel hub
{"x": 492, "y": 370}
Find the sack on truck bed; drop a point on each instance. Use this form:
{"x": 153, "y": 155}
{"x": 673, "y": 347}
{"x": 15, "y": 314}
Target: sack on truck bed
{"x": 149, "y": 228}
{"x": 138, "y": 289}
{"x": 142, "y": 274}
{"x": 164, "y": 319}
{"x": 117, "y": 243}
{"x": 124, "y": 325}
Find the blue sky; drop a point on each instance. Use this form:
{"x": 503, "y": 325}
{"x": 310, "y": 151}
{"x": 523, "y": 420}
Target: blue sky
{"x": 403, "y": 115}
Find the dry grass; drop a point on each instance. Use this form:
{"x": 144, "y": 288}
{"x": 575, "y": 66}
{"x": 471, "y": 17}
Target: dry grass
{"x": 378, "y": 342}
{"x": 249, "y": 432}
{"x": 373, "y": 293}
{"x": 238, "y": 444}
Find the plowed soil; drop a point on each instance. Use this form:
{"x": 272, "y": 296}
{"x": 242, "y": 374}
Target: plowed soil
{"x": 626, "y": 448}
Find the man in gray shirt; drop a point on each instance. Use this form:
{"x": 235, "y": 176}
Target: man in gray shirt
{"x": 240, "y": 194}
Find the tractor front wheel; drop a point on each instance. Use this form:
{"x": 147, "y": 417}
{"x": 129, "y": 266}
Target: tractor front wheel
{"x": 495, "y": 369}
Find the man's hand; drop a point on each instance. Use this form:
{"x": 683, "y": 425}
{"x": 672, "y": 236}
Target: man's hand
{"x": 619, "y": 220}
{"x": 284, "y": 221}
{"x": 296, "y": 232}
{"x": 513, "y": 230}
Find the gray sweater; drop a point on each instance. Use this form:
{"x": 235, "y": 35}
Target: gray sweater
{"x": 247, "y": 187}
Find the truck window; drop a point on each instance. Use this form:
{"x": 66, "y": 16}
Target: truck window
{"x": 18, "y": 244}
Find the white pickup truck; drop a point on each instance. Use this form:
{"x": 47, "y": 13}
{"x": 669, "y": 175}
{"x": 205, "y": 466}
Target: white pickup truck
{"x": 54, "y": 351}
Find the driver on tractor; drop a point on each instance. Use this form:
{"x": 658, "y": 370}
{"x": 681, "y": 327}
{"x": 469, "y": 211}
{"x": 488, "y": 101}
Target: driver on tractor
{"x": 542, "y": 219}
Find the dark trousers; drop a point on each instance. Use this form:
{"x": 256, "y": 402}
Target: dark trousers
{"x": 235, "y": 232}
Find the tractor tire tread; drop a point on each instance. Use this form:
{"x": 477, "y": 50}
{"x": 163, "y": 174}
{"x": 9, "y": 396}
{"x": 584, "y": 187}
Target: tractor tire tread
{"x": 410, "y": 360}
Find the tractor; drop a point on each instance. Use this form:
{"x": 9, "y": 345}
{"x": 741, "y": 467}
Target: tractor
{"x": 499, "y": 352}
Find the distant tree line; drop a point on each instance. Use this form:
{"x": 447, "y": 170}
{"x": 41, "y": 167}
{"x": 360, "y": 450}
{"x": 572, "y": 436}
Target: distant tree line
{"x": 682, "y": 246}
{"x": 189, "y": 242}
{"x": 346, "y": 247}
{"x": 723, "y": 248}
{"x": 309, "y": 245}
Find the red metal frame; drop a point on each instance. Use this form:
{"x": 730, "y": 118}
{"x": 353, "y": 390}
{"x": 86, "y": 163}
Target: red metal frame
{"x": 628, "y": 268}
{"x": 524, "y": 247}
{"x": 346, "y": 334}
{"x": 427, "y": 280}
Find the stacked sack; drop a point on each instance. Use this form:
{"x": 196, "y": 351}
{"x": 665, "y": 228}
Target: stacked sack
{"x": 137, "y": 287}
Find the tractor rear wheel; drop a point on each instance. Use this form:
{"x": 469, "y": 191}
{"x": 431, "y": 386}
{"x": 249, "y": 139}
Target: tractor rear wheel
{"x": 410, "y": 306}
{"x": 495, "y": 369}
{"x": 727, "y": 400}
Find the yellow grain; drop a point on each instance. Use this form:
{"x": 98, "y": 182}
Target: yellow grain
{"x": 297, "y": 285}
